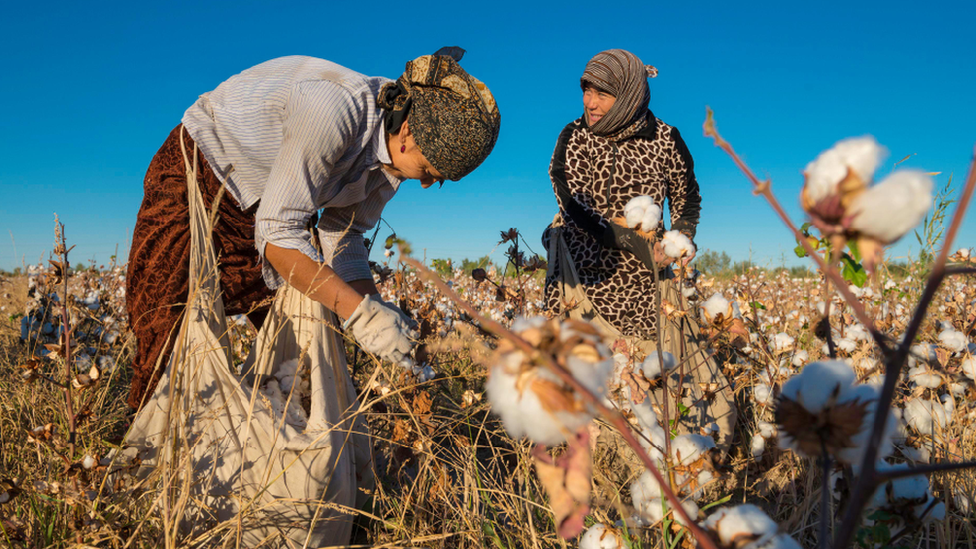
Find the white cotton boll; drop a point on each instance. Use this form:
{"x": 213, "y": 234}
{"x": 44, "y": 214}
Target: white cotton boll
{"x": 869, "y": 394}
{"x": 685, "y": 449}
{"x": 858, "y": 332}
{"x": 763, "y": 394}
{"x": 677, "y": 245}
{"x": 651, "y": 218}
{"x": 894, "y": 206}
{"x": 953, "y": 340}
{"x": 757, "y": 446}
{"x": 715, "y": 305}
{"x": 949, "y": 404}
{"x": 766, "y": 429}
{"x": 640, "y": 203}
{"x": 923, "y": 377}
{"x": 968, "y": 366}
{"x": 633, "y": 217}
{"x": 782, "y": 342}
{"x": 957, "y": 389}
{"x": 818, "y": 383}
{"x": 88, "y": 462}
{"x": 860, "y": 155}
{"x": 644, "y": 490}
{"x": 652, "y": 364}
{"x": 741, "y": 522}
{"x": 644, "y": 413}
{"x": 599, "y": 536}
{"x": 846, "y": 345}
{"x": 800, "y": 358}
{"x": 925, "y": 416}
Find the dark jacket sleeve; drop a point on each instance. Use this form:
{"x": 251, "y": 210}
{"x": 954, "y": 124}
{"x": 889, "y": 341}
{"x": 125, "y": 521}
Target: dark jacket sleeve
{"x": 573, "y": 211}
{"x": 683, "y": 195}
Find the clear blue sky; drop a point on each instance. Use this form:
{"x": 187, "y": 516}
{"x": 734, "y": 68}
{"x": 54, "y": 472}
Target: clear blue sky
{"x": 92, "y": 89}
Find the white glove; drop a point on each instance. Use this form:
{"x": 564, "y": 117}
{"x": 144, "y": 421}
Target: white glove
{"x": 382, "y": 329}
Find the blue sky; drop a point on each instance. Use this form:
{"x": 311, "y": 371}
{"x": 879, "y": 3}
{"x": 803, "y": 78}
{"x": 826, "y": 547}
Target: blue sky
{"x": 92, "y": 89}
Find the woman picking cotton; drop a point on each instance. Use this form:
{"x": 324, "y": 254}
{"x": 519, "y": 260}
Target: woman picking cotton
{"x": 612, "y": 171}
{"x": 268, "y": 149}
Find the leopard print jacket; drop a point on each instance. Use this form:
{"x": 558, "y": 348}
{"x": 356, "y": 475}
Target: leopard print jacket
{"x": 602, "y": 176}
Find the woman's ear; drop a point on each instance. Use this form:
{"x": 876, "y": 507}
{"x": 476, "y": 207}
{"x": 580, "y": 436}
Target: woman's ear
{"x": 404, "y": 129}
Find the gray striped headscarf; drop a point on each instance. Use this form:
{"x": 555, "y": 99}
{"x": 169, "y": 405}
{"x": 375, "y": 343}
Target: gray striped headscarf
{"x": 623, "y": 75}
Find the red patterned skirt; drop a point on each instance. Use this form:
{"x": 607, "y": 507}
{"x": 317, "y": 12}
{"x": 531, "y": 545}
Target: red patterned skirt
{"x": 157, "y": 282}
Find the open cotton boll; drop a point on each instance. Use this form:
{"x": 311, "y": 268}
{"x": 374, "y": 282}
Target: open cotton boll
{"x": 757, "y": 445}
{"x": 686, "y": 449}
{"x": 953, "y": 340}
{"x": 734, "y": 524}
{"x": 763, "y": 394}
{"x": 599, "y": 536}
{"x": 893, "y": 207}
{"x": 651, "y": 219}
{"x": 968, "y": 366}
{"x": 859, "y": 155}
{"x": 923, "y": 377}
{"x": 640, "y": 203}
{"x": 853, "y": 454}
{"x": 653, "y": 511}
{"x": 925, "y": 416}
{"x": 677, "y": 245}
{"x": 819, "y": 383}
{"x": 644, "y": 490}
{"x": 800, "y": 358}
{"x": 714, "y": 306}
{"x": 652, "y": 365}
{"x": 781, "y": 343}
{"x": 532, "y": 400}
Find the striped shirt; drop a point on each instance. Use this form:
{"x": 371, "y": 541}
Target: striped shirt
{"x": 300, "y": 134}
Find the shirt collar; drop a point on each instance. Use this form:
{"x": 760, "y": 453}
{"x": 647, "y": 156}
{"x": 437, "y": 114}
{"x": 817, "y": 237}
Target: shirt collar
{"x": 382, "y": 154}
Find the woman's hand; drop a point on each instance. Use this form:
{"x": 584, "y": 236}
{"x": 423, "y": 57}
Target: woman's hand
{"x": 382, "y": 329}
{"x": 660, "y": 258}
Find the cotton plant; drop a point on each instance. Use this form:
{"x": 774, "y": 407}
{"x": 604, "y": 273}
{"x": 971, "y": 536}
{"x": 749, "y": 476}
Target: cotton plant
{"x": 842, "y": 202}
{"x": 823, "y": 408}
{"x": 533, "y": 401}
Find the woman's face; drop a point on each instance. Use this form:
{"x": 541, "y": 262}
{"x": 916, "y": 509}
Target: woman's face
{"x": 411, "y": 163}
{"x": 596, "y": 103}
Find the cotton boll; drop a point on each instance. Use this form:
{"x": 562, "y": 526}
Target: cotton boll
{"x": 763, "y": 394}
{"x": 686, "y": 449}
{"x": 651, "y": 218}
{"x": 88, "y": 462}
{"x": 781, "y": 343}
{"x": 846, "y": 345}
{"x": 894, "y": 206}
{"x": 858, "y": 332}
{"x": 819, "y": 383}
{"x": 923, "y": 377}
{"x": 633, "y": 217}
{"x": 953, "y": 340}
{"x": 640, "y": 203}
{"x": 677, "y": 245}
{"x": 653, "y": 511}
{"x": 925, "y": 416}
{"x": 766, "y": 429}
{"x": 714, "y": 306}
{"x": 757, "y": 446}
{"x": 869, "y": 394}
{"x": 644, "y": 490}
{"x": 859, "y": 155}
{"x": 968, "y": 366}
{"x": 746, "y": 521}
{"x": 800, "y": 358}
{"x": 962, "y": 501}
{"x": 599, "y": 536}
{"x": 652, "y": 365}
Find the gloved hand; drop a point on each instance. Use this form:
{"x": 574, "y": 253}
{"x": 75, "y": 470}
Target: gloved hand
{"x": 622, "y": 238}
{"x": 382, "y": 329}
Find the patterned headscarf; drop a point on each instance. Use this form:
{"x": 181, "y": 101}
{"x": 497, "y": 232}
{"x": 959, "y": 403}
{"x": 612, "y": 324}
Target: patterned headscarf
{"x": 452, "y": 115}
{"x": 623, "y": 75}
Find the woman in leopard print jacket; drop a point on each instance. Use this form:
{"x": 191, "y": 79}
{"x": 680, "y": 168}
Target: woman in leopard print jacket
{"x": 616, "y": 151}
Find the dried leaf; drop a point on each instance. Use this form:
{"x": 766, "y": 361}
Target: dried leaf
{"x": 567, "y": 482}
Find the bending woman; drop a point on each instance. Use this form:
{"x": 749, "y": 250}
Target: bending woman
{"x": 602, "y": 271}
{"x": 277, "y": 143}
